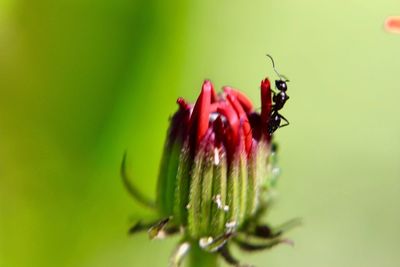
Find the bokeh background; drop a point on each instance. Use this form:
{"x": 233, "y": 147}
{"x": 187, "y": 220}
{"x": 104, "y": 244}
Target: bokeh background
{"x": 81, "y": 81}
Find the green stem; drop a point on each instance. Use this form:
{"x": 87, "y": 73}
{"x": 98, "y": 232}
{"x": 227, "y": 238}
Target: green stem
{"x": 200, "y": 258}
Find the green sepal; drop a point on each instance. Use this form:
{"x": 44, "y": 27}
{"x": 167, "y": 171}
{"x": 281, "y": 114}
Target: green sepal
{"x": 243, "y": 187}
{"x": 263, "y": 152}
{"x": 206, "y": 192}
{"x": 194, "y": 205}
{"x": 167, "y": 178}
{"x": 261, "y": 161}
{"x": 248, "y": 246}
{"x": 286, "y": 226}
{"x": 170, "y": 161}
{"x": 253, "y": 184}
{"x": 182, "y": 185}
{"x": 233, "y": 195}
{"x": 219, "y": 208}
{"x": 163, "y": 178}
{"x": 156, "y": 231}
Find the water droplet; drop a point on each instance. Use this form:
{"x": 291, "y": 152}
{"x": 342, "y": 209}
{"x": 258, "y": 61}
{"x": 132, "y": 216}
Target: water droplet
{"x": 216, "y": 157}
{"x": 217, "y": 200}
{"x": 205, "y": 241}
{"x": 231, "y": 225}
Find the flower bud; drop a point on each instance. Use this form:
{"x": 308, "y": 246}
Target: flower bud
{"x": 217, "y": 173}
{"x": 214, "y": 171}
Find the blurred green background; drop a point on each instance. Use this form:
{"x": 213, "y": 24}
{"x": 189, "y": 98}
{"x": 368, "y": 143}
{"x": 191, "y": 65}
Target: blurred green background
{"x": 81, "y": 81}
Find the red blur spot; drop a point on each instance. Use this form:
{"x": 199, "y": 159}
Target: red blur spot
{"x": 392, "y": 24}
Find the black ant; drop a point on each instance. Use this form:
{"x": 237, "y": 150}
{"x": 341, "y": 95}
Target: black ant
{"x": 279, "y": 99}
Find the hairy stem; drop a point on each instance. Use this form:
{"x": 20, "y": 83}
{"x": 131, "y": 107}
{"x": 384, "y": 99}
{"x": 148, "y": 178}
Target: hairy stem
{"x": 200, "y": 258}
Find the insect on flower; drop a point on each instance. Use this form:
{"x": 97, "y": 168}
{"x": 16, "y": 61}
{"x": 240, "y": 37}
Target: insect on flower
{"x": 279, "y": 100}
{"x": 218, "y": 172}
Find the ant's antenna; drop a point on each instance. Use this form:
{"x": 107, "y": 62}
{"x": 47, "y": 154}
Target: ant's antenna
{"x": 282, "y": 77}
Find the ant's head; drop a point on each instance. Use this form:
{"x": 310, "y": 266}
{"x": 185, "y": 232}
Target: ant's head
{"x": 281, "y": 85}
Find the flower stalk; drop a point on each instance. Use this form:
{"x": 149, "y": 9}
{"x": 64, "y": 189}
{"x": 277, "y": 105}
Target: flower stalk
{"x": 201, "y": 258}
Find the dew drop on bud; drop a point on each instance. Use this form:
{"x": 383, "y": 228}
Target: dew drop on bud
{"x": 205, "y": 241}
{"x": 230, "y": 226}
{"x": 216, "y": 157}
{"x": 218, "y": 201}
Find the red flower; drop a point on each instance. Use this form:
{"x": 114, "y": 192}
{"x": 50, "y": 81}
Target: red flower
{"x": 229, "y": 118}
{"x": 217, "y": 171}
{"x": 218, "y": 147}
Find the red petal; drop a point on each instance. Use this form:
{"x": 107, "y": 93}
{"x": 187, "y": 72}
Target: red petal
{"x": 214, "y": 96}
{"x": 214, "y": 107}
{"x": 233, "y": 121}
{"x": 201, "y": 111}
{"x": 182, "y": 103}
{"x": 244, "y": 121}
{"x": 242, "y": 98}
{"x": 266, "y": 103}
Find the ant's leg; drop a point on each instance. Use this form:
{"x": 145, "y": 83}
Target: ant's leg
{"x": 287, "y": 122}
{"x": 179, "y": 254}
{"x": 132, "y": 190}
